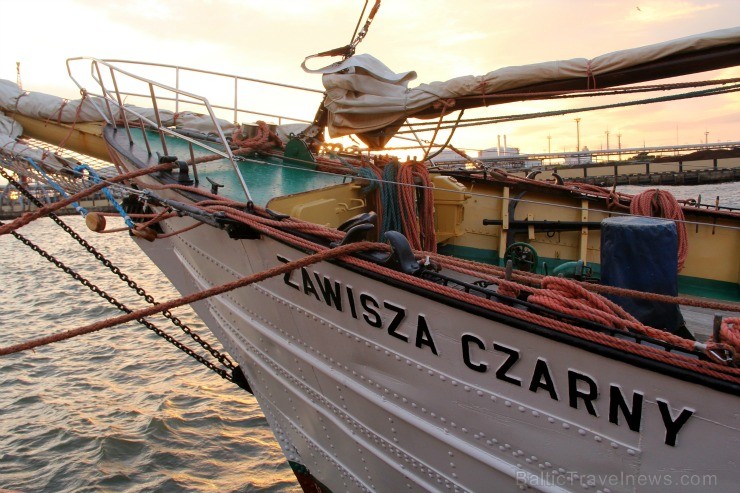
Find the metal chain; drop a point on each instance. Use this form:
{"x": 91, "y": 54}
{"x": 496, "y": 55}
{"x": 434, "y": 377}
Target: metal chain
{"x": 222, "y": 358}
{"x": 110, "y": 299}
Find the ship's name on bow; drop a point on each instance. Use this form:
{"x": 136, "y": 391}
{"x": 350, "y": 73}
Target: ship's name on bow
{"x": 361, "y": 306}
{"x": 507, "y": 364}
{"x": 582, "y": 392}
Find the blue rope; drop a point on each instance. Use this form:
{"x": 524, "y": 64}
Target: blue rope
{"x": 96, "y": 179}
{"x": 389, "y": 198}
{"x": 57, "y": 187}
{"x": 371, "y": 177}
{"x": 344, "y": 162}
{"x": 388, "y": 192}
{"x": 362, "y": 172}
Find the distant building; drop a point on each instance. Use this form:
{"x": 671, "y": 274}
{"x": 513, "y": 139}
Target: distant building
{"x": 583, "y": 157}
{"x": 499, "y": 156}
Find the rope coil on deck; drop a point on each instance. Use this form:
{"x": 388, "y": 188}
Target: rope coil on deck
{"x": 660, "y": 203}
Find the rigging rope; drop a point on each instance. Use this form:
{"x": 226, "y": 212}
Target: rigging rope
{"x": 472, "y": 122}
{"x": 270, "y": 227}
{"x": 418, "y": 223}
{"x": 222, "y": 358}
{"x": 321, "y": 255}
{"x": 47, "y": 209}
{"x": 275, "y": 229}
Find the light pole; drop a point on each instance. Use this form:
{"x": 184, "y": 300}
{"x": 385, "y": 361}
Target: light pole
{"x": 578, "y": 139}
{"x": 549, "y": 151}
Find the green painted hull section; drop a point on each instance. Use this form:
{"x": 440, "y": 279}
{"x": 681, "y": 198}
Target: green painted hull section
{"x": 266, "y": 177}
{"x": 687, "y": 285}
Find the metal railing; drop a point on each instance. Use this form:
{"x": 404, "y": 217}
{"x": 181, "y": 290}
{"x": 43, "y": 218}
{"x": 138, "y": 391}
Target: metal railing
{"x": 115, "y": 111}
{"x": 235, "y": 95}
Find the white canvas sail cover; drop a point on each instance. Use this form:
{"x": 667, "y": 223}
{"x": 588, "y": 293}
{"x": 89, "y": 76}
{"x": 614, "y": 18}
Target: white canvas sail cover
{"x": 10, "y": 130}
{"x": 362, "y": 94}
{"x": 91, "y": 109}
{"x": 47, "y": 107}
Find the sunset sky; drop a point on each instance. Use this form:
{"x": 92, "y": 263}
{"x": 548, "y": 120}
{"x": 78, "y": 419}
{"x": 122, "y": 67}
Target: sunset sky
{"x": 439, "y": 39}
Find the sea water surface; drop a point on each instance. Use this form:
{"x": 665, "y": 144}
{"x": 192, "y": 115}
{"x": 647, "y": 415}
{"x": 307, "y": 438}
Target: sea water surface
{"x": 120, "y": 409}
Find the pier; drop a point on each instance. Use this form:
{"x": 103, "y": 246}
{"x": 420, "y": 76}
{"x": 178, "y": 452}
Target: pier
{"x": 705, "y": 165}
{"x": 690, "y": 164}
{"x": 13, "y": 204}
{"x": 690, "y": 177}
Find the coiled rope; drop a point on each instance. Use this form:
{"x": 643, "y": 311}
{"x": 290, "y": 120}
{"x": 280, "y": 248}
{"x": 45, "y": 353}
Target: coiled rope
{"x": 418, "y": 224}
{"x": 660, "y": 203}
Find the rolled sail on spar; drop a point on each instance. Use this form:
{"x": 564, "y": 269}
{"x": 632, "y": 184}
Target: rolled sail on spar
{"x": 365, "y": 97}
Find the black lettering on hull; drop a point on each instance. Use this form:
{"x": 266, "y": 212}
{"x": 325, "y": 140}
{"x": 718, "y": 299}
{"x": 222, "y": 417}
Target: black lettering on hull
{"x": 617, "y": 402}
{"x": 588, "y": 396}
{"x": 672, "y": 427}
{"x": 501, "y": 373}
{"x": 542, "y": 371}
{"x": 371, "y": 315}
{"x": 424, "y": 335}
{"x": 400, "y": 314}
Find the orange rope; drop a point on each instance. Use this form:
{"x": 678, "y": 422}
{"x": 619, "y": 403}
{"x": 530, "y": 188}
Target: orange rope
{"x": 265, "y": 139}
{"x": 729, "y": 337}
{"x": 551, "y": 289}
{"x": 716, "y": 370}
{"x": 660, "y": 203}
{"x": 418, "y": 223}
{"x": 48, "y": 209}
{"x": 74, "y": 122}
{"x": 320, "y": 256}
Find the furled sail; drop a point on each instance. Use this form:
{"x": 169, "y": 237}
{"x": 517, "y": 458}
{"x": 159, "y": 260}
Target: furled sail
{"x": 363, "y": 95}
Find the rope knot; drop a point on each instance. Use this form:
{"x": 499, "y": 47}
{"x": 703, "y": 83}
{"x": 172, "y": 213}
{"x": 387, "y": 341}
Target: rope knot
{"x": 729, "y": 340}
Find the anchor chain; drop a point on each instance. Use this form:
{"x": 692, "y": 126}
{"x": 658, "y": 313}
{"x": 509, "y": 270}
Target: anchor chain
{"x": 110, "y": 299}
{"x": 222, "y": 358}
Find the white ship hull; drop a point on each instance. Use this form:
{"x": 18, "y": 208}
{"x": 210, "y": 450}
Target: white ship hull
{"x": 373, "y": 387}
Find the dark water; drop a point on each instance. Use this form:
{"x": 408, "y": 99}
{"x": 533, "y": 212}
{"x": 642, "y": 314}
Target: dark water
{"x": 120, "y": 409}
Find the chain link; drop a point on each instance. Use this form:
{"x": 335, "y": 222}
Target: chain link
{"x": 222, "y": 358}
{"x": 110, "y": 299}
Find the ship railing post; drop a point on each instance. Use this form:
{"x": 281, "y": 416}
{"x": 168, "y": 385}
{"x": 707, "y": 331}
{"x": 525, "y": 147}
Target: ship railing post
{"x": 120, "y": 107}
{"x": 146, "y": 139}
{"x": 504, "y": 223}
{"x": 159, "y": 120}
{"x": 105, "y": 93}
{"x": 584, "y": 232}
{"x": 227, "y": 149}
{"x": 236, "y": 100}
{"x": 192, "y": 160}
{"x": 177, "y": 92}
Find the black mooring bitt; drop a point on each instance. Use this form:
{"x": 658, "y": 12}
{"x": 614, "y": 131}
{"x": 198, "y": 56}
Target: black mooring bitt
{"x": 401, "y": 257}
